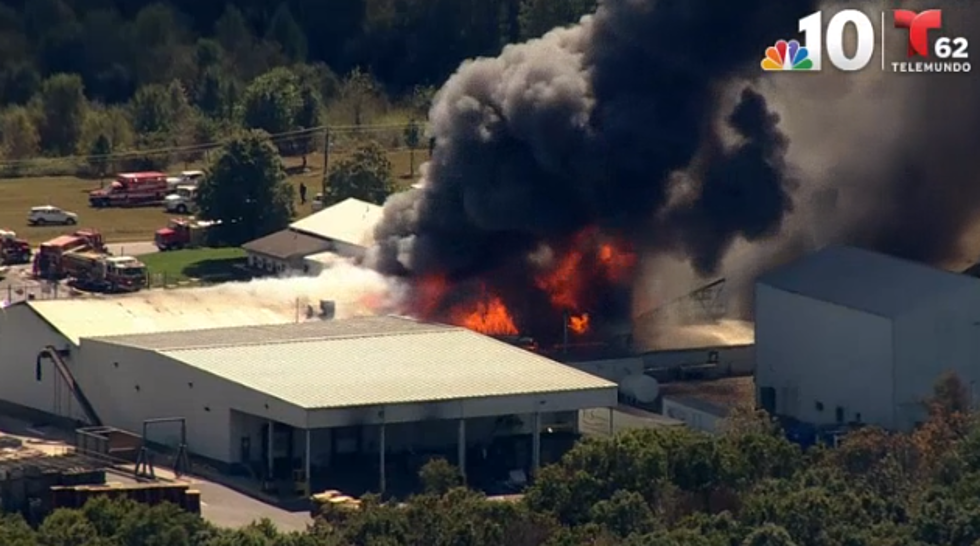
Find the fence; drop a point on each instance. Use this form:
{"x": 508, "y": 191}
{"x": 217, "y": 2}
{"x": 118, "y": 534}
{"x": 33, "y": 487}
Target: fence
{"x": 43, "y": 290}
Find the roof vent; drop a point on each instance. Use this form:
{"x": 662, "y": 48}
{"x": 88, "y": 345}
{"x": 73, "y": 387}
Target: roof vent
{"x": 328, "y": 308}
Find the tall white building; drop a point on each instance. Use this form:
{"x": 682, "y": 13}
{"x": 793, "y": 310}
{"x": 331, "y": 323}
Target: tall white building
{"x": 847, "y": 335}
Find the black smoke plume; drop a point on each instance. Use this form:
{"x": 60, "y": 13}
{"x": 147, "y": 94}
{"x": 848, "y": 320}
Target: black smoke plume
{"x": 586, "y": 127}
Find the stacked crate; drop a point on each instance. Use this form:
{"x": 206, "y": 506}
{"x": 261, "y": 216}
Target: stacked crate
{"x": 178, "y": 494}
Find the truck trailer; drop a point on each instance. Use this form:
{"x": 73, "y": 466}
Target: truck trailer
{"x": 103, "y": 273}
{"x": 49, "y": 260}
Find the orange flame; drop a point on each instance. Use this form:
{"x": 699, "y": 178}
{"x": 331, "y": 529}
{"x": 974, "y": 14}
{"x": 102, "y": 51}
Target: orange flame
{"x": 618, "y": 264}
{"x": 490, "y": 317}
{"x": 579, "y": 323}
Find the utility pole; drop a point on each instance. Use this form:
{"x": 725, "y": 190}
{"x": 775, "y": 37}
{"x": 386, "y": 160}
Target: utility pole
{"x": 326, "y": 162}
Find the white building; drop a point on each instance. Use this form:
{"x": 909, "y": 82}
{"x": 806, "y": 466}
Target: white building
{"x": 847, "y": 335}
{"x": 326, "y": 387}
{"x": 307, "y": 245}
{"x": 348, "y": 225}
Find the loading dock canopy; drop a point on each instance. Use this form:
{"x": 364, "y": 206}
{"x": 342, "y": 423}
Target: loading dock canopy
{"x": 381, "y": 369}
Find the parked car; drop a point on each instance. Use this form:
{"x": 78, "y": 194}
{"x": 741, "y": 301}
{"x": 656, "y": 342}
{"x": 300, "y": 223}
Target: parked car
{"x": 50, "y": 215}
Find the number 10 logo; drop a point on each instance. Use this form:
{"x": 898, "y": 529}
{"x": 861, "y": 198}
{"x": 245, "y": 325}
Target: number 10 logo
{"x": 812, "y": 28}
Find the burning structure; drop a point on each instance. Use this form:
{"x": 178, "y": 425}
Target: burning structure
{"x": 566, "y": 163}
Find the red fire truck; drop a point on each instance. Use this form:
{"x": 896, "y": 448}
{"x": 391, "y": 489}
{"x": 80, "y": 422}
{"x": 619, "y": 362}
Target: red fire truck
{"x": 49, "y": 260}
{"x": 183, "y": 233}
{"x": 131, "y": 189}
{"x": 13, "y": 250}
{"x": 91, "y": 270}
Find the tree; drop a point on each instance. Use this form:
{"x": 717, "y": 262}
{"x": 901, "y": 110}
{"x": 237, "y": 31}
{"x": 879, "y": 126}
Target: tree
{"x": 151, "y": 110}
{"x": 217, "y": 94}
{"x": 245, "y": 188}
{"x": 357, "y": 93}
{"x": 438, "y": 477}
{"x": 539, "y": 16}
{"x": 365, "y": 175}
{"x": 284, "y": 30}
{"x": 20, "y": 137}
{"x": 272, "y": 101}
{"x": 63, "y": 108}
{"x": 413, "y": 137}
{"x": 99, "y": 155}
{"x": 307, "y": 117}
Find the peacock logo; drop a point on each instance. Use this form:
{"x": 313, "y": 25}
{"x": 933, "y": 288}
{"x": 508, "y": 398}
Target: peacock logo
{"x": 787, "y": 56}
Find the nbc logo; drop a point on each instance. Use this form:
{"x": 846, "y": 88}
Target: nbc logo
{"x": 787, "y": 56}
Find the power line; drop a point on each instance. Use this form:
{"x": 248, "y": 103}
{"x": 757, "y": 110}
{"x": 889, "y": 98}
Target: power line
{"x": 205, "y": 146}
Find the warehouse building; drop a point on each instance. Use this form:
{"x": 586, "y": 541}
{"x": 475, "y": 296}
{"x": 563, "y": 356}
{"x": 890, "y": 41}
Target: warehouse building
{"x": 846, "y": 335}
{"x": 328, "y": 389}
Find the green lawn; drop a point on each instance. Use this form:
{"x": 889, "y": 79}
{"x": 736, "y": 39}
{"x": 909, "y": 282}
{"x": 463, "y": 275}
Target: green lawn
{"x": 206, "y": 265}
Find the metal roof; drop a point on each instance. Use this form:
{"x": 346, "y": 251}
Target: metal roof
{"x": 276, "y": 333}
{"x": 866, "y": 281}
{"x": 155, "y": 311}
{"x": 287, "y": 244}
{"x": 351, "y": 221}
{"x": 410, "y": 366}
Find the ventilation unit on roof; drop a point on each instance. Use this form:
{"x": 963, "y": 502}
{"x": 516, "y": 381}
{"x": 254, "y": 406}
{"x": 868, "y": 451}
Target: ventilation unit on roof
{"x": 328, "y": 308}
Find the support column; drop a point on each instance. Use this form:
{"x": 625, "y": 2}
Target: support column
{"x": 461, "y": 454}
{"x": 381, "y": 455}
{"x": 536, "y": 443}
{"x": 306, "y": 466}
{"x": 268, "y": 448}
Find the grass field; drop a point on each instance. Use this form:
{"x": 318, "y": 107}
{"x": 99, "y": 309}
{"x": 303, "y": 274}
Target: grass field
{"x": 18, "y": 195}
{"x": 207, "y": 265}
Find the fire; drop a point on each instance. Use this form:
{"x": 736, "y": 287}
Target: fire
{"x": 579, "y": 324}
{"x": 575, "y": 283}
{"x": 617, "y": 263}
{"x": 489, "y": 317}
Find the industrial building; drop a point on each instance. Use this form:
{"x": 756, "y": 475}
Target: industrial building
{"x": 846, "y": 335}
{"x": 344, "y": 229}
{"x": 329, "y": 390}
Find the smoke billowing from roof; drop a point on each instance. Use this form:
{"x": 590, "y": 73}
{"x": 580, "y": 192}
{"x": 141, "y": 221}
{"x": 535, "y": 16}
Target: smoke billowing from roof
{"x": 647, "y": 121}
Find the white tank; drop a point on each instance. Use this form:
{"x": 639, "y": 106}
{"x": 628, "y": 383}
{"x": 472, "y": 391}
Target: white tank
{"x": 639, "y": 387}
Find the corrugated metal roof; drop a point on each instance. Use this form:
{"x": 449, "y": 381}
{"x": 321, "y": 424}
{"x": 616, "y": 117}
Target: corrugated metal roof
{"x": 277, "y": 333}
{"x": 154, "y": 311}
{"x": 287, "y": 244}
{"x": 440, "y": 364}
{"x": 350, "y": 221}
{"x": 866, "y": 281}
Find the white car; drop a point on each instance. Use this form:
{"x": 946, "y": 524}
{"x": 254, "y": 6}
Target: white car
{"x": 49, "y": 215}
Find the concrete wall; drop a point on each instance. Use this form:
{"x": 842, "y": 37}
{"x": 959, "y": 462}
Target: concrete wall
{"x": 819, "y": 357}
{"x": 694, "y": 417}
{"x": 732, "y": 360}
{"x": 941, "y": 335}
{"x": 611, "y": 369}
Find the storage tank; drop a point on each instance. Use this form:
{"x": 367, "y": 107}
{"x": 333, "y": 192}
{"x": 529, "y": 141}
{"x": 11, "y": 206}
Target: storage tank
{"x": 640, "y": 388}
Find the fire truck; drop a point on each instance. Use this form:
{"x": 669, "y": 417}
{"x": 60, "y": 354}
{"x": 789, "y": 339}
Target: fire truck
{"x": 49, "y": 260}
{"x": 131, "y": 189}
{"x": 90, "y": 270}
{"x": 183, "y": 233}
{"x": 13, "y": 250}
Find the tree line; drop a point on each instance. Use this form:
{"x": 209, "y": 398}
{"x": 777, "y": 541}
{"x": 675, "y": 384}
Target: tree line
{"x": 746, "y": 487}
{"x": 98, "y": 77}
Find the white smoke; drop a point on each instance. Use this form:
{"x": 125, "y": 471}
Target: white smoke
{"x": 356, "y": 291}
